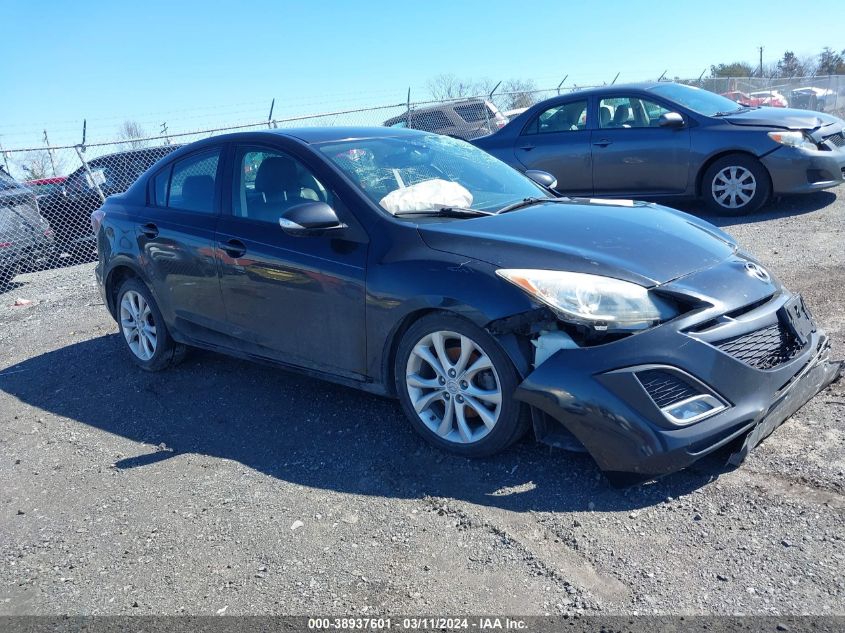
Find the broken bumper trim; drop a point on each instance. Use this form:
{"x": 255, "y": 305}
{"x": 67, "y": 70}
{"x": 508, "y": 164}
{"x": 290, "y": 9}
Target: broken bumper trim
{"x": 816, "y": 375}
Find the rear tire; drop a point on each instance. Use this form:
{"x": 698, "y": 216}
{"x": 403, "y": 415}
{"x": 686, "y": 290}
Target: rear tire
{"x": 736, "y": 185}
{"x": 142, "y": 328}
{"x": 456, "y": 384}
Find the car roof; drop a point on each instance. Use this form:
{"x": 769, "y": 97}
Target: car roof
{"x": 313, "y": 135}
{"x": 613, "y": 88}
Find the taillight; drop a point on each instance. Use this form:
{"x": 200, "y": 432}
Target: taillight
{"x": 97, "y": 219}
{"x": 5, "y": 244}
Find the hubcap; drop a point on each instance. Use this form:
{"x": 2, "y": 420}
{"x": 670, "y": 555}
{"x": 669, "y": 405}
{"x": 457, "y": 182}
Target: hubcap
{"x": 734, "y": 187}
{"x": 453, "y": 387}
{"x": 138, "y": 325}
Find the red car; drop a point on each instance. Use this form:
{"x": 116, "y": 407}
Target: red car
{"x": 743, "y": 98}
{"x": 44, "y": 186}
{"x": 771, "y": 98}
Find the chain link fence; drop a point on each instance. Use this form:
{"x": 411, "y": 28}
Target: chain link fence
{"x": 45, "y": 222}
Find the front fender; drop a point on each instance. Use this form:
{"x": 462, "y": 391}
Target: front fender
{"x": 401, "y": 292}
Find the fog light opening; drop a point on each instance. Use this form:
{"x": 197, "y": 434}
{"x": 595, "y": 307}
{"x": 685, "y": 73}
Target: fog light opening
{"x": 693, "y": 409}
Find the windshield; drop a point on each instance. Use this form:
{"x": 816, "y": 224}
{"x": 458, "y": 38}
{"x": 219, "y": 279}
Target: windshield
{"x": 427, "y": 172}
{"x": 696, "y": 99}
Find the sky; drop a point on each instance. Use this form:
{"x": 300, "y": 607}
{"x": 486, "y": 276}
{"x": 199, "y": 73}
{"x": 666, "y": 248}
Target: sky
{"x": 197, "y": 64}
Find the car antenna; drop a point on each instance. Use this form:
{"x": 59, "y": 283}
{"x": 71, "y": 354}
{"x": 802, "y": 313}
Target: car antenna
{"x": 615, "y": 78}
{"x": 663, "y": 75}
{"x": 701, "y": 75}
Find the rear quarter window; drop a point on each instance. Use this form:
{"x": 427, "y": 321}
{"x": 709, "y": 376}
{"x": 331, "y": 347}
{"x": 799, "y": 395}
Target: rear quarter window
{"x": 429, "y": 121}
{"x": 474, "y": 112}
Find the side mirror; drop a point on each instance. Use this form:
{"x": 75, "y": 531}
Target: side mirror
{"x": 671, "y": 120}
{"x": 542, "y": 178}
{"x": 310, "y": 218}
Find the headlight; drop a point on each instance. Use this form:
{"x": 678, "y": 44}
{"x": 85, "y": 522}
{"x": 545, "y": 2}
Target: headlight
{"x": 793, "y": 139}
{"x": 602, "y": 302}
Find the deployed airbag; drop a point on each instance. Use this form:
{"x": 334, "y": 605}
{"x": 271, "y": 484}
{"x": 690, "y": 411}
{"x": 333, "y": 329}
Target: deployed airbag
{"x": 429, "y": 194}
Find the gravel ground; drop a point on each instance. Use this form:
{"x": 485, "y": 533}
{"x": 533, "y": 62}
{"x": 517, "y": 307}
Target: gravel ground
{"x": 226, "y": 487}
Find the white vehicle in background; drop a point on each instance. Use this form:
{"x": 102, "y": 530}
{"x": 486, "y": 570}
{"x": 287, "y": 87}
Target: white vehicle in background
{"x": 510, "y": 115}
{"x": 466, "y": 119}
{"x": 771, "y": 98}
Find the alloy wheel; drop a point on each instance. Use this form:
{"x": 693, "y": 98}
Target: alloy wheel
{"x": 453, "y": 387}
{"x": 734, "y": 187}
{"x": 138, "y": 325}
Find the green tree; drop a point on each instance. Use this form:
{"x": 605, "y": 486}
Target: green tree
{"x": 736, "y": 69}
{"x": 790, "y": 66}
{"x": 831, "y": 62}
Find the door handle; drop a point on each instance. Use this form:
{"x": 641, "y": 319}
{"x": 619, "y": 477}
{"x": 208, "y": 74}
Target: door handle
{"x": 149, "y": 229}
{"x": 233, "y": 248}
{"x": 527, "y": 148}
{"x": 603, "y": 143}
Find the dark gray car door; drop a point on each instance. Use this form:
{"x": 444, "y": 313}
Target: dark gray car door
{"x": 632, "y": 154}
{"x": 557, "y": 140}
{"x": 296, "y": 299}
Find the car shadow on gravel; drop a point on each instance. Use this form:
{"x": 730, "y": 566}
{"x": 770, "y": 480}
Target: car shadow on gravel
{"x": 782, "y": 207}
{"x": 306, "y": 432}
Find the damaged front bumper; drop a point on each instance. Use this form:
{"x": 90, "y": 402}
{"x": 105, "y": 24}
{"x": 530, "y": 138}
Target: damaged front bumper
{"x": 605, "y": 396}
{"x": 816, "y": 375}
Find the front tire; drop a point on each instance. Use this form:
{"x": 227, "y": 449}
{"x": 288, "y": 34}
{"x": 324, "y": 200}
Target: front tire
{"x": 455, "y": 384}
{"x": 142, "y": 327}
{"x": 736, "y": 185}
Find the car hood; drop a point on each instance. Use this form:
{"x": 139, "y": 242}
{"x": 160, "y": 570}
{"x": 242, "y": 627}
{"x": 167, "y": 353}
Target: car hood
{"x": 781, "y": 118}
{"x": 638, "y": 242}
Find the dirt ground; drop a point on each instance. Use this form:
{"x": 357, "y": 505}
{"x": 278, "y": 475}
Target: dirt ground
{"x": 227, "y": 487}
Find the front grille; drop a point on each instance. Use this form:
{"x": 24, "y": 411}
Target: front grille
{"x": 666, "y": 388}
{"x": 765, "y": 348}
{"x": 837, "y": 140}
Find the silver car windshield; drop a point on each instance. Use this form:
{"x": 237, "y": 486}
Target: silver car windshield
{"x": 417, "y": 173}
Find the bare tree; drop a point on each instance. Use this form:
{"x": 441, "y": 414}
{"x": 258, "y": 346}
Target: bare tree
{"x": 447, "y": 86}
{"x": 37, "y": 165}
{"x": 132, "y": 135}
{"x": 518, "y": 93}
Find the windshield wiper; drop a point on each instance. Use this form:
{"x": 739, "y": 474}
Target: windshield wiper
{"x": 446, "y": 212}
{"x": 737, "y": 111}
{"x": 527, "y": 202}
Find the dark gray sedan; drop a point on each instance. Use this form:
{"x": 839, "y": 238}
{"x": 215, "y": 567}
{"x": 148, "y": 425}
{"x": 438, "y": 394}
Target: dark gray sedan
{"x": 670, "y": 140}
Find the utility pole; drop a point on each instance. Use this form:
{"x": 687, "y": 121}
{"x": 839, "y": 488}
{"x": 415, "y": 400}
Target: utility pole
{"x": 760, "y": 48}
{"x": 164, "y": 132}
{"x": 50, "y": 154}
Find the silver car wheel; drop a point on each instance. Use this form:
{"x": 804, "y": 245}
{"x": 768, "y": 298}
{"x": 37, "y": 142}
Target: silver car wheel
{"x": 138, "y": 325}
{"x": 453, "y": 387}
{"x": 733, "y": 187}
